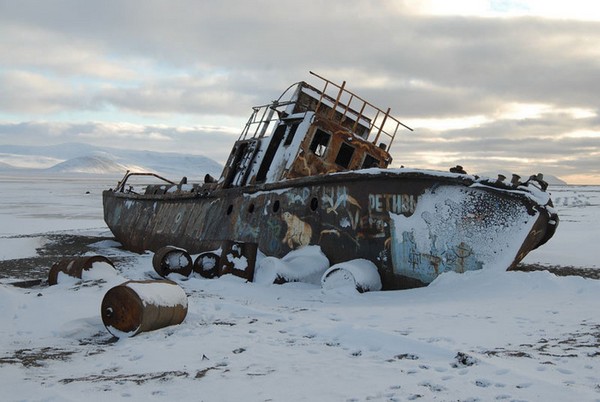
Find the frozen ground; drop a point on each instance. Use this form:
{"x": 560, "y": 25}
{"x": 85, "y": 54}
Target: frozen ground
{"x": 511, "y": 336}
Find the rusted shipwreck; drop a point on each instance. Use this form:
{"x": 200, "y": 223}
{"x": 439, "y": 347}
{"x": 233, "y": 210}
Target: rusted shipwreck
{"x": 311, "y": 168}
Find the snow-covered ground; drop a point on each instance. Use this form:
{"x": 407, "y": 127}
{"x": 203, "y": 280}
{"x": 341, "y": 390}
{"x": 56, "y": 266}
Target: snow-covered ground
{"x": 480, "y": 336}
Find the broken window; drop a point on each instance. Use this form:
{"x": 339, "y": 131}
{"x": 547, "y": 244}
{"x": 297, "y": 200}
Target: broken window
{"x": 291, "y": 133}
{"x": 370, "y": 162}
{"x": 344, "y": 156}
{"x": 274, "y": 143}
{"x": 319, "y": 142}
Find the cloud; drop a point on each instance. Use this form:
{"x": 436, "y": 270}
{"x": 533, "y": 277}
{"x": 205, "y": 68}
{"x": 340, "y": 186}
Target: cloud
{"x": 464, "y": 77}
{"x": 33, "y": 48}
{"x": 214, "y": 142}
{"x": 26, "y": 92}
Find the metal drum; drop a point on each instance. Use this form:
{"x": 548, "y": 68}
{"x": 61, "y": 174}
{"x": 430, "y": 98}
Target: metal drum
{"x": 207, "y": 264}
{"x": 75, "y": 266}
{"x": 171, "y": 259}
{"x": 140, "y": 306}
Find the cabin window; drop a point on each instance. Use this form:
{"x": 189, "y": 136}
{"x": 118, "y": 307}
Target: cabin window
{"x": 319, "y": 142}
{"x": 272, "y": 148}
{"x": 280, "y": 130}
{"x": 291, "y": 133}
{"x": 344, "y": 155}
{"x": 370, "y": 162}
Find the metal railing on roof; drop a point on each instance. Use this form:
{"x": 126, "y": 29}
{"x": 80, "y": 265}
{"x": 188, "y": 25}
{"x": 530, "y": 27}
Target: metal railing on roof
{"x": 340, "y": 101}
{"x": 381, "y": 122}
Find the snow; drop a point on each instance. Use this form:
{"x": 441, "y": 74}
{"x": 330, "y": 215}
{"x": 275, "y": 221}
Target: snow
{"x": 20, "y": 247}
{"x": 479, "y": 336}
{"x": 574, "y": 242}
{"x": 307, "y": 264}
{"x": 100, "y": 270}
{"x": 177, "y": 258}
{"x": 159, "y": 293}
{"x": 359, "y": 273}
{"x": 433, "y": 229}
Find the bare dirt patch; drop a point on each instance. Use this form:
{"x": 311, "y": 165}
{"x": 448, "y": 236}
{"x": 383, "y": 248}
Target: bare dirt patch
{"x": 58, "y": 246}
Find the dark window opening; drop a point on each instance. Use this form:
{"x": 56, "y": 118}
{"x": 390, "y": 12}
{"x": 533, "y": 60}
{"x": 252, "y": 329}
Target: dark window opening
{"x": 229, "y": 209}
{"x": 314, "y": 204}
{"x": 234, "y": 166}
{"x": 276, "y": 206}
{"x": 251, "y": 208}
{"x": 319, "y": 142}
{"x": 261, "y": 176}
{"x": 291, "y": 133}
{"x": 370, "y": 162}
{"x": 344, "y": 156}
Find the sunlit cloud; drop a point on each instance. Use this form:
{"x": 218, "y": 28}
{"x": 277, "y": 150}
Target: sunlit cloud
{"x": 479, "y": 86}
{"x": 454, "y": 123}
{"x": 522, "y": 111}
{"x": 583, "y": 134}
{"x": 575, "y": 9}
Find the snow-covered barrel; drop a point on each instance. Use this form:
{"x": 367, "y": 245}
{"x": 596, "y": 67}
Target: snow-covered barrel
{"x": 171, "y": 259}
{"x": 140, "y": 306}
{"x": 75, "y": 266}
{"x": 207, "y": 264}
{"x": 360, "y": 273}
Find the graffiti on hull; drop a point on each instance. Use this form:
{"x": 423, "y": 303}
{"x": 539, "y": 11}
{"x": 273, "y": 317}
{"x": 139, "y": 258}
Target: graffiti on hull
{"x": 298, "y": 232}
{"x": 456, "y": 230}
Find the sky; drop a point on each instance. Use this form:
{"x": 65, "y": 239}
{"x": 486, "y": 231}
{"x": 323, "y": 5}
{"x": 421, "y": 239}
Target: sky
{"x": 490, "y": 85}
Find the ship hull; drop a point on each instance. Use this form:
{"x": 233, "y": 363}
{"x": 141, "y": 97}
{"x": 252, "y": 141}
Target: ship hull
{"x": 413, "y": 225}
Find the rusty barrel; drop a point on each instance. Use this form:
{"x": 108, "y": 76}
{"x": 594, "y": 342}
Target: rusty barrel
{"x": 140, "y": 306}
{"x": 207, "y": 264}
{"x": 171, "y": 259}
{"x": 75, "y": 266}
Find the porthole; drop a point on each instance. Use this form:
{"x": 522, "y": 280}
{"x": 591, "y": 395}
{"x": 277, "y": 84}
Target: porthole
{"x": 229, "y": 209}
{"x": 314, "y": 204}
{"x": 276, "y": 206}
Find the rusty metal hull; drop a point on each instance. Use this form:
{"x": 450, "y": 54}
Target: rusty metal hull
{"x": 413, "y": 225}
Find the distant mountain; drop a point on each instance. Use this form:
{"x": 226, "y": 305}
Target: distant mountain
{"x": 95, "y": 164}
{"x": 83, "y": 158}
{"x": 6, "y": 166}
{"x": 27, "y": 161}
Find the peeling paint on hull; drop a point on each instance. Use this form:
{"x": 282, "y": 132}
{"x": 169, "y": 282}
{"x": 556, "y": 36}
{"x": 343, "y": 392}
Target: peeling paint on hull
{"x": 413, "y": 225}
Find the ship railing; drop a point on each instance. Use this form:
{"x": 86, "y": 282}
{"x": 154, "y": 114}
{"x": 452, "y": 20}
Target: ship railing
{"x": 382, "y": 127}
{"x": 121, "y": 185}
{"x": 260, "y": 119}
{"x": 336, "y": 103}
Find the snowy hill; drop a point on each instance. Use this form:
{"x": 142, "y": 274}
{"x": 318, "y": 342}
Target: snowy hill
{"x": 83, "y": 158}
{"x": 95, "y": 164}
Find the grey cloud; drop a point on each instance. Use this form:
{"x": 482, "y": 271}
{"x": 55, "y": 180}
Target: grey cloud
{"x": 474, "y": 62}
{"x": 149, "y": 59}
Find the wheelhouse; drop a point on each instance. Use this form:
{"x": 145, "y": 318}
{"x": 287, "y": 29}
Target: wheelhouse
{"x": 313, "y": 132}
